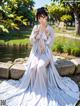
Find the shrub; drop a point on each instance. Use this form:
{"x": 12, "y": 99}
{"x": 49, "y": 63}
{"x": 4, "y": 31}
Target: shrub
{"x": 67, "y": 45}
{"x": 58, "y": 45}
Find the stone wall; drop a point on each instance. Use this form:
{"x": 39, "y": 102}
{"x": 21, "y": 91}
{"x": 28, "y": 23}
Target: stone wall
{"x": 15, "y": 70}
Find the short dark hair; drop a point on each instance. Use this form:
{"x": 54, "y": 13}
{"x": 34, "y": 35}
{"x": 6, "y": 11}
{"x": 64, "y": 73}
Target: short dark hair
{"x": 41, "y": 12}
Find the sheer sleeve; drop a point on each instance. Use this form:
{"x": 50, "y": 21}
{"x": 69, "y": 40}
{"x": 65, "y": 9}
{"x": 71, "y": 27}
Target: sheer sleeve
{"x": 33, "y": 34}
{"x": 50, "y": 39}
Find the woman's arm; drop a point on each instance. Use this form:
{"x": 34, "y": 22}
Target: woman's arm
{"x": 50, "y": 39}
{"x": 33, "y": 34}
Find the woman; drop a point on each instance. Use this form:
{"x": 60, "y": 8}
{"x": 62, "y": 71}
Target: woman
{"x": 41, "y": 85}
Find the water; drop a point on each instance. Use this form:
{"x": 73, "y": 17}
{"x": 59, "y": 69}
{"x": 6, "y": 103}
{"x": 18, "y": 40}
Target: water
{"x": 10, "y": 53}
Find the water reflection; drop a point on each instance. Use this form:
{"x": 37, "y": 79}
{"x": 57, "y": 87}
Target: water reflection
{"x": 9, "y": 53}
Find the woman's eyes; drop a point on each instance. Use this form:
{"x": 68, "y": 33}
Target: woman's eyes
{"x": 42, "y": 17}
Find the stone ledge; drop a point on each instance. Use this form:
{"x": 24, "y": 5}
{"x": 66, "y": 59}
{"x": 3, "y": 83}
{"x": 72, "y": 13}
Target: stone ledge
{"x": 15, "y": 70}
{"x": 77, "y": 64}
{"x": 4, "y": 69}
{"x": 65, "y": 67}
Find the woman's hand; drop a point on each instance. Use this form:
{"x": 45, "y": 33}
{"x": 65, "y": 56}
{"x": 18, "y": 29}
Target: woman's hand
{"x": 37, "y": 35}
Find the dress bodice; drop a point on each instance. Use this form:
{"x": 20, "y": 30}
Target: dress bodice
{"x": 48, "y": 41}
{"x": 42, "y": 34}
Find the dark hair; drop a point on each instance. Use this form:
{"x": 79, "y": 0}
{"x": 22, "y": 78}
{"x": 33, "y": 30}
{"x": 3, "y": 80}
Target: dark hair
{"x": 41, "y": 12}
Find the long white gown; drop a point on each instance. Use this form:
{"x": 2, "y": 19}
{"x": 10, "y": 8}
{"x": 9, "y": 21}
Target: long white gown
{"x": 41, "y": 84}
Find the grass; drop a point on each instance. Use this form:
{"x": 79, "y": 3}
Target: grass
{"x": 18, "y": 42}
{"x": 15, "y": 38}
{"x": 65, "y": 45}
{"x": 2, "y": 42}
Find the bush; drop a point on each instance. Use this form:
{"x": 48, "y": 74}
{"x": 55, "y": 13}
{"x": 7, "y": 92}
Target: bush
{"x": 66, "y": 45}
{"x": 76, "y": 51}
{"x": 58, "y": 48}
{"x": 58, "y": 45}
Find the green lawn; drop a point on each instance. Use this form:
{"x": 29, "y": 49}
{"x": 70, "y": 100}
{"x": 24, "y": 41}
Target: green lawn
{"x": 18, "y": 38}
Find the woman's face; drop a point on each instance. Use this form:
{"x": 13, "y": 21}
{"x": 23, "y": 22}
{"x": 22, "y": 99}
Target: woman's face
{"x": 42, "y": 19}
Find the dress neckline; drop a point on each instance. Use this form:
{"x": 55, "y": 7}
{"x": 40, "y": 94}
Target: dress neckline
{"x": 46, "y": 26}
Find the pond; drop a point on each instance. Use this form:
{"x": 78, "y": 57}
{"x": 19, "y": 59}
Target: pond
{"x": 10, "y": 53}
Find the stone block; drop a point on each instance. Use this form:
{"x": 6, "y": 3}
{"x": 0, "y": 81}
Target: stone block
{"x": 16, "y": 71}
{"x": 65, "y": 67}
{"x": 18, "y": 60}
{"x": 77, "y": 64}
{"x": 4, "y": 69}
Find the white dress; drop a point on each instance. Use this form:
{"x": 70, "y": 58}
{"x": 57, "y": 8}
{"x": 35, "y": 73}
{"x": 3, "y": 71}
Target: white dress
{"x": 41, "y": 84}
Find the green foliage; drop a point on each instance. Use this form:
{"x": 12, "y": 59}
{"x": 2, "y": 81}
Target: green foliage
{"x": 62, "y": 44}
{"x": 14, "y": 13}
{"x": 55, "y": 11}
{"x": 18, "y": 42}
{"x": 3, "y": 28}
{"x": 66, "y": 18}
{"x": 15, "y": 42}
{"x": 58, "y": 46}
{"x": 60, "y": 12}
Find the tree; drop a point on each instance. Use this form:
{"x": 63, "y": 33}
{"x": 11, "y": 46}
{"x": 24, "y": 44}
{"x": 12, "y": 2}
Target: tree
{"x": 66, "y": 19}
{"x": 55, "y": 12}
{"x": 75, "y": 7}
{"x": 14, "y": 13}
{"x": 58, "y": 12}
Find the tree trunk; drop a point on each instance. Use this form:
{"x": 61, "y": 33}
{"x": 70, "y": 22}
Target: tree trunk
{"x": 0, "y": 2}
{"x": 74, "y": 8}
{"x": 77, "y": 23}
{"x": 78, "y": 28}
